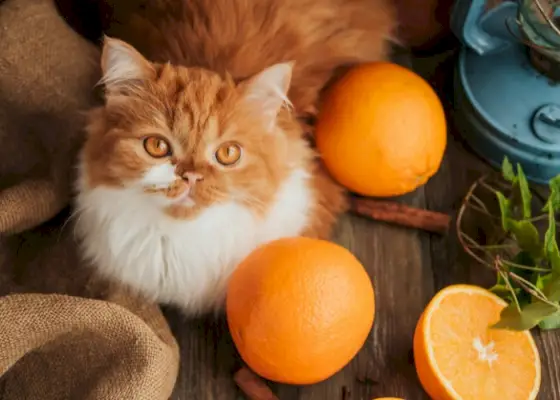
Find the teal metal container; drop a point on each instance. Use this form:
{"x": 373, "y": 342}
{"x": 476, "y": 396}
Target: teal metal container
{"x": 502, "y": 105}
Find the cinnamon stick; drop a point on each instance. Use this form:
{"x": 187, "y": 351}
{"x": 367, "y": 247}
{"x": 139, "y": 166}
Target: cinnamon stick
{"x": 400, "y": 214}
{"x": 252, "y": 386}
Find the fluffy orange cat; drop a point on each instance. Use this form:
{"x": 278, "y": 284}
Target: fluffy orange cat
{"x": 197, "y": 156}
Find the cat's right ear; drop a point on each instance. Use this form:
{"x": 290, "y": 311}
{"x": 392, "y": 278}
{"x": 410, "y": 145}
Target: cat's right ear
{"x": 123, "y": 65}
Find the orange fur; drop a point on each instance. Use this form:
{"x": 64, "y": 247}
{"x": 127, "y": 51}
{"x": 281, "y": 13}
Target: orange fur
{"x": 164, "y": 205}
{"x": 190, "y": 107}
{"x": 242, "y": 37}
{"x": 224, "y": 42}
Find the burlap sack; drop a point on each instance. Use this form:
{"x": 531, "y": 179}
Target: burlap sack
{"x": 47, "y": 73}
{"x": 97, "y": 341}
{"x": 92, "y": 340}
{"x": 62, "y": 347}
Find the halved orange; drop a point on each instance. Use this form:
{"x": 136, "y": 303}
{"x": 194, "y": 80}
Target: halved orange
{"x": 459, "y": 357}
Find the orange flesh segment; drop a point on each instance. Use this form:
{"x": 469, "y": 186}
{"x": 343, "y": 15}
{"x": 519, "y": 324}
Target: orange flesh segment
{"x": 474, "y": 361}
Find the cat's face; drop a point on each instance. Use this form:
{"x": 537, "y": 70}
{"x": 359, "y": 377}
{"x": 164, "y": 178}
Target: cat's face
{"x": 184, "y": 139}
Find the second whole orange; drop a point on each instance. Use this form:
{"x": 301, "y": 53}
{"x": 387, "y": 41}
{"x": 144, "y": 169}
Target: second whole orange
{"x": 381, "y": 130}
{"x": 299, "y": 309}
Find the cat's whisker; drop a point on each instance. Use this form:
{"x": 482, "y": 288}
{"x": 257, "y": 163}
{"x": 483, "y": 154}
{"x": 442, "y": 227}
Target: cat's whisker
{"x": 74, "y": 215}
{"x": 252, "y": 201}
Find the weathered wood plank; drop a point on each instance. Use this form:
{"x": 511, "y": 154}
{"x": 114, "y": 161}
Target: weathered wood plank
{"x": 208, "y": 358}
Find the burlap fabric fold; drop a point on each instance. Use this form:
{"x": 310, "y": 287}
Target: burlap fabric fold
{"x": 93, "y": 340}
{"x": 64, "y": 333}
{"x": 62, "y": 347}
{"x": 47, "y": 73}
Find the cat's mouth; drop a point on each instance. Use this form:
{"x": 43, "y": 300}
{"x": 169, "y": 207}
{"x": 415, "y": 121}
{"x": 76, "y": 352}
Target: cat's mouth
{"x": 179, "y": 192}
{"x": 184, "y": 199}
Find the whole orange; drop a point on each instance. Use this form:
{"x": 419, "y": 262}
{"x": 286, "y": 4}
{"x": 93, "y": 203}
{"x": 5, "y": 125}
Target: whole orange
{"x": 381, "y": 130}
{"x": 299, "y": 309}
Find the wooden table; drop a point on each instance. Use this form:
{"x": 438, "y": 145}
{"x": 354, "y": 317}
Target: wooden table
{"x": 407, "y": 268}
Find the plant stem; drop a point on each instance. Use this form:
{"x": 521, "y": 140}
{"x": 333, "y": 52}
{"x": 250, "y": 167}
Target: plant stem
{"x": 480, "y": 204}
{"x": 497, "y": 246}
{"x": 500, "y": 183}
{"x": 532, "y": 290}
{"x": 487, "y": 186}
{"x": 463, "y": 236}
{"x": 537, "y": 218}
{"x": 521, "y": 266}
{"x": 483, "y": 211}
{"x": 519, "y": 279}
{"x": 526, "y": 285}
{"x": 510, "y": 288}
{"x": 460, "y": 235}
{"x": 487, "y": 246}
{"x": 470, "y": 240}
{"x": 483, "y": 253}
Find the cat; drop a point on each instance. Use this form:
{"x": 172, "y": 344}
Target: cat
{"x": 243, "y": 37}
{"x": 187, "y": 169}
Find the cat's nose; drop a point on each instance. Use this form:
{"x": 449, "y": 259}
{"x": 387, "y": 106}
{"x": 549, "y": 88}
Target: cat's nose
{"x": 192, "y": 177}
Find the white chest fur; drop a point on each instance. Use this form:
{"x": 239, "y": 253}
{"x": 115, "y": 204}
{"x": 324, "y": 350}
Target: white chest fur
{"x": 186, "y": 263}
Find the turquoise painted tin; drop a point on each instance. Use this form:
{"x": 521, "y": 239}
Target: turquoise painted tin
{"x": 502, "y": 105}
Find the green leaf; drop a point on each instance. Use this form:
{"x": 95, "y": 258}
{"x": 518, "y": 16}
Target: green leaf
{"x": 529, "y": 317}
{"x": 505, "y": 210}
{"x": 550, "y": 286}
{"x": 551, "y": 250}
{"x": 507, "y": 171}
{"x": 502, "y": 290}
{"x": 539, "y": 309}
{"x": 554, "y": 196}
{"x": 524, "y": 191}
{"x": 542, "y": 281}
{"x": 500, "y": 280}
{"x": 527, "y": 236}
{"x": 549, "y": 323}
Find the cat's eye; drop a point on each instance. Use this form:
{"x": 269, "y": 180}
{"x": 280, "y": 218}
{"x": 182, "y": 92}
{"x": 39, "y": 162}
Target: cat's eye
{"x": 228, "y": 154}
{"x": 157, "y": 147}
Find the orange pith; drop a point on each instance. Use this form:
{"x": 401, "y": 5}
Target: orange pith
{"x": 458, "y": 356}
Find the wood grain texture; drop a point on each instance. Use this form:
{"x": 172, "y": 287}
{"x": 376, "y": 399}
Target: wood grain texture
{"x": 406, "y": 266}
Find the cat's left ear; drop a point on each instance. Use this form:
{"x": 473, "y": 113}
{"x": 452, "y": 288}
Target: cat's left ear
{"x": 267, "y": 91}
